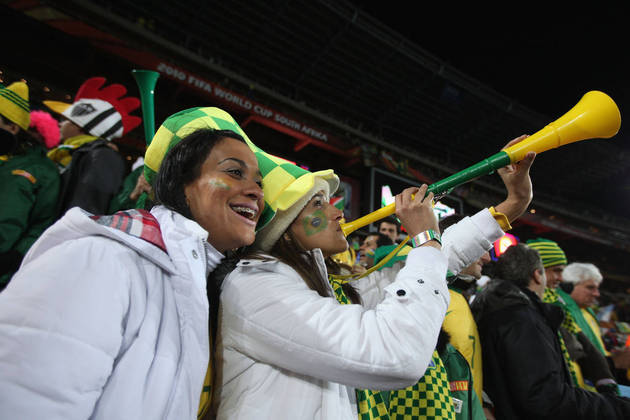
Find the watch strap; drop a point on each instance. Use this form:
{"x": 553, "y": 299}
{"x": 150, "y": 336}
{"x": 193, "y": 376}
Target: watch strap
{"x": 426, "y": 236}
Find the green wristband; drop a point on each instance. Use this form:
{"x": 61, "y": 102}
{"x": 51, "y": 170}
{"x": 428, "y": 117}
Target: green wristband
{"x": 424, "y": 237}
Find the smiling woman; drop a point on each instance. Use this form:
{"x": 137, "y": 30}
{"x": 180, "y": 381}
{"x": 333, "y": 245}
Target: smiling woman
{"x": 222, "y": 187}
{"x": 108, "y": 316}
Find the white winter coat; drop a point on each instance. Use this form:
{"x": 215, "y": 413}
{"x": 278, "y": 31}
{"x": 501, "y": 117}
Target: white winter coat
{"x": 284, "y": 352}
{"x": 99, "y": 324}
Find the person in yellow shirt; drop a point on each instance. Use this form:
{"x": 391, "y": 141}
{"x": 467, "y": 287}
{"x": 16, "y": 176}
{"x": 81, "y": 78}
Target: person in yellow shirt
{"x": 459, "y": 322}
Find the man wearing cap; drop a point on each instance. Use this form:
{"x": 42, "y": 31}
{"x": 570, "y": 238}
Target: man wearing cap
{"x": 553, "y": 258}
{"x": 92, "y": 169}
{"x": 29, "y": 182}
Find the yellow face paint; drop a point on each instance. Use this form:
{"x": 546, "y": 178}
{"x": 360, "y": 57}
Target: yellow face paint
{"x": 219, "y": 184}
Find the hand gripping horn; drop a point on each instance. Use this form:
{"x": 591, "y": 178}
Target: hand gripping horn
{"x": 595, "y": 116}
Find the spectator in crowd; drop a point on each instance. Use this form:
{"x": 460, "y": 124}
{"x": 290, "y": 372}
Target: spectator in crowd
{"x": 390, "y": 226}
{"x": 45, "y": 128}
{"x": 371, "y": 242}
{"x": 585, "y": 279}
{"x": 29, "y": 182}
{"x": 524, "y": 370}
{"x": 553, "y": 257}
{"x": 92, "y": 168}
{"x": 459, "y": 322}
{"x": 108, "y": 317}
{"x": 466, "y": 404}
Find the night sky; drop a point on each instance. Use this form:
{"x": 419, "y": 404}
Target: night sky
{"x": 544, "y": 58}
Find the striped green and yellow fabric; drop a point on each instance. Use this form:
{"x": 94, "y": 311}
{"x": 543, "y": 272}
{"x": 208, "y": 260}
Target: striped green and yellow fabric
{"x": 550, "y": 253}
{"x": 569, "y": 324}
{"x": 14, "y": 104}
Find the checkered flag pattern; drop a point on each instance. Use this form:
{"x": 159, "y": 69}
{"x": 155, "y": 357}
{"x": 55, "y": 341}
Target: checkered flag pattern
{"x": 568, "y": 323}
{"x": 372, "y": 405}
{"x": 430, "y": 398}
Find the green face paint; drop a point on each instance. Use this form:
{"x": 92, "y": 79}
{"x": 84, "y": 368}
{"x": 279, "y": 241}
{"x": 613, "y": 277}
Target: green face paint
{"x": 219, "y": 184}
{"x": 315, "y": 223}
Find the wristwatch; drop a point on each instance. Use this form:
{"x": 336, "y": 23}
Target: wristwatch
{"x": 426, "y": 236}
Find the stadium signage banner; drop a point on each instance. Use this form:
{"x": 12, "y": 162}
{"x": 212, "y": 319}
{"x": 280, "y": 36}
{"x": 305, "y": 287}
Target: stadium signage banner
{"x": 225, "y": 95}
{"x": 145, "y": 59}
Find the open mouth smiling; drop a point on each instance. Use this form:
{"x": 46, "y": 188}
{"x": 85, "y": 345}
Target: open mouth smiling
{"x": 247, "y": 212}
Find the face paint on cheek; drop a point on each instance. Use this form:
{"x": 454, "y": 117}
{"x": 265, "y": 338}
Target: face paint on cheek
{"x": 314, "y": 223}
{"x": 219, "y": 184}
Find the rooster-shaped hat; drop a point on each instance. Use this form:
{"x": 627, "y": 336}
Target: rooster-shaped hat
{"x": 100, "y": 111}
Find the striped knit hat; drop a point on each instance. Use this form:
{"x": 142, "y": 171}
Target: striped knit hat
{"x": 550, "y": 252}
{"x": 100, "y": 112}
{"x": 14, "y": 104}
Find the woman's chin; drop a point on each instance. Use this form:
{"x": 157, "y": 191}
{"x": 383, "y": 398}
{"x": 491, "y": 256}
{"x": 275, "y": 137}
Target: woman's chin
{"x": 244, "y": 238}
{"x": 333, "y": 250}
{"x": 249, "y": 237}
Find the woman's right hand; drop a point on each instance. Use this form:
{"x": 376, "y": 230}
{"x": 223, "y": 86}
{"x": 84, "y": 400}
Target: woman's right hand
{"x": 415, "y": 211}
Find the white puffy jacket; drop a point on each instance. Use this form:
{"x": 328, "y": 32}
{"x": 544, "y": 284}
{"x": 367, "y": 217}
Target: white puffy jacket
{"x": 284, "y": 352}
{"x": 103, "y": 325}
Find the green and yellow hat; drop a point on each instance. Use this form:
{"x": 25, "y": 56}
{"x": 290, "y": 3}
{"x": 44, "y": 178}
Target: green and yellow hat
{"x": 277, "y": 173}
{"x": 287, "y": 189}
{"x": 14, "y": 104}
{"x": 550, "y": 253}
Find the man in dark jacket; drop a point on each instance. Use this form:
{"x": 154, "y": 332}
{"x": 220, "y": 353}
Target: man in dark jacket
{"x": 524, "y": 372}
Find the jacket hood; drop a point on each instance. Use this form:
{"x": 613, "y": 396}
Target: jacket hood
{"x": 497, "y": 294}
{"x": 78, "y": 223}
